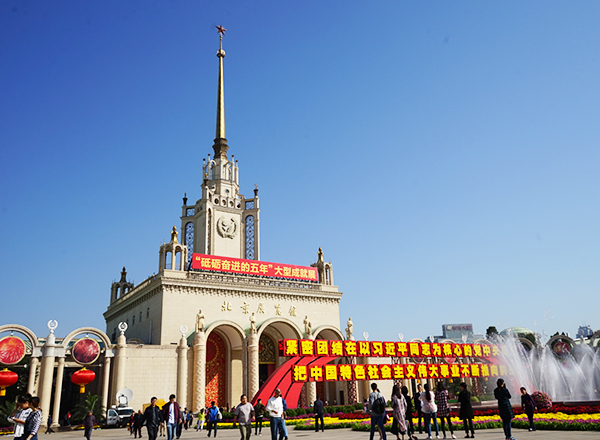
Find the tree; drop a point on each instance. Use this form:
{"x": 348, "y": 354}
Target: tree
{"x": 91, "y": 403}
{"x": 6, "y": 410}
{"x": 491, "y": 332}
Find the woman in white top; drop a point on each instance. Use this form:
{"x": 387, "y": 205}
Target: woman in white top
{"x": 429, "y": 409}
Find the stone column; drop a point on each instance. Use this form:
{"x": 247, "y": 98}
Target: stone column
{"x": 199, "y": 371}
{"x": 46, "y": 376}
{"x": 182, "y": 372}
{"x": 33, "y": 366}
{"x": 105, "y": 382}
{"x": 253, "y": 365}
{"x": 311, "y": 387}
{"x": 120, "y": 360}
{"x": 58, "y": 392}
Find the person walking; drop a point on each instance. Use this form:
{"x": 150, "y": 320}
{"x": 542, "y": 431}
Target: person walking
{"x": 275, "y": 409}
{"x": 259, "y": 413}
{"x": 528, "y": 406}
{"x": 398, "y": 413}
{"x": 417, "y": 401}
{"x": 377, "y": 407}
{"x": 504, "y": 407}
{"x": 213, "y": 416}
{"x": 88, "y": 425}
{"x": 153, "y": 418}
{"x": 172, "y": 416}
{"x": 319, "y": 412}
{"x": 443, "y": 412}
{"x": 49, "y": 429}
{"x": 408, "y": 415}
{"x": 429, "y": 409}
{"x": 466, "y": 410}
{"x": 244, "y": 412}
{"x": 201, "y": 418}
{"x": 33, "y": 421}
{"x": 138, "y": 419}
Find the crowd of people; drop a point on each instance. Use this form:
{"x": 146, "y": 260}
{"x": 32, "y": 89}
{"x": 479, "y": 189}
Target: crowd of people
{"x": 429, "y": 406}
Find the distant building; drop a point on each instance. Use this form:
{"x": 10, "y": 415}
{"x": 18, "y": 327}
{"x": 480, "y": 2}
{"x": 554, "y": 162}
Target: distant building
{"x": 584, "y": 331}
{"x": 455, "y": 333}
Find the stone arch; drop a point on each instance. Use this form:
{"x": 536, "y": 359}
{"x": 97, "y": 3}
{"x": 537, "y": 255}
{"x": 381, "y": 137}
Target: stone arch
{"x": 93, "y": 331}
{"x": 557, "y": 337}
{"x": 329, "y": 329}
{"x": 288, "y": 328}
{"x": 23, "y": 330}
{"x": 234, "y": 332}
{"x": 234, "y": 338}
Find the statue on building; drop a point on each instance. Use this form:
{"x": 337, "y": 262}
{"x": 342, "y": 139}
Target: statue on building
{"x": 199, "y": 321}
{"x": 252, "y": 324}
{"x": 174, "y": 235}
{"x": 349, "y": 329}
{"x": 307, "y": 326}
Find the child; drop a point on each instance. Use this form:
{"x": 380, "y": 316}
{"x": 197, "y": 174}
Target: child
{"x": 528, "y": 405}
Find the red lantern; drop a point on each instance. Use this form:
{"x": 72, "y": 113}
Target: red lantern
{"x": 82, "y": 378}
{"x": 7, "y": 378}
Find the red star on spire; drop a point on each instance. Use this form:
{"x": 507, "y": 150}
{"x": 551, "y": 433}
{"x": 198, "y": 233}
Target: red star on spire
{"x": 221, "y": 29}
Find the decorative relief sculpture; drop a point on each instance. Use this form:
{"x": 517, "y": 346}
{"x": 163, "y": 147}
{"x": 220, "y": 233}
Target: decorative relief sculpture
{"x": 252, "y": 324}
{"x": 292, "y": 310}
{"x": 349, "y": 329}
{"x": 226, "y": 307}
{"x": 199, "y": 321}
{"x": 245, "y": 308}
{"x": 278, "y": 309}
{"x": 307, "y": 326}
{"x": 227, "y": 227}
{"x": 261, "y": 308}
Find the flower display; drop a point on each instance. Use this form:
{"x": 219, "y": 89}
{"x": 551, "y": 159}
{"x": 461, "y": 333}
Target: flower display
{"x": 541, "y": 399}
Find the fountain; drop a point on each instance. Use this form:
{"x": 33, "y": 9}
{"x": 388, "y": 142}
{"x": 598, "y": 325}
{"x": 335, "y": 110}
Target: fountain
{"x": 565, "y": 373}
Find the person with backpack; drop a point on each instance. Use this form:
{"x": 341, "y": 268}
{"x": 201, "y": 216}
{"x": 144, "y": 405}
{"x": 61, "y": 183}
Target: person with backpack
{"x": 377, "y": 405}
{"x": 213, "y": 415}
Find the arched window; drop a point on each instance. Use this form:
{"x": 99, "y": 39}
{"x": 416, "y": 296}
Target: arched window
{"x": 250, "y": 255}
{"x": 148, "y": 312}
{"x": 189, "y": 241}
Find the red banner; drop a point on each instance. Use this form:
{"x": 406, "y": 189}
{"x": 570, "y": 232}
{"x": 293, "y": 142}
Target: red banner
{"x": 253, "y": 267}
{"x": 321, "y": 347}
{"x": 332, "y": 372}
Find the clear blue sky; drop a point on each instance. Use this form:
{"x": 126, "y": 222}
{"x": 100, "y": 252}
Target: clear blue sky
{"x": 444, "y": 154}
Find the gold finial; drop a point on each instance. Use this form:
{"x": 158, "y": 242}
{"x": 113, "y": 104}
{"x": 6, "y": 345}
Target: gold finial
{"x": 174, "y": 235}
{"x": 321, "y": 256}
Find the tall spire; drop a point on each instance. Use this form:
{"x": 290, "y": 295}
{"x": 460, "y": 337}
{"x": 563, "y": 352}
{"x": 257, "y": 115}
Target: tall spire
{"x": 220, "y": 146}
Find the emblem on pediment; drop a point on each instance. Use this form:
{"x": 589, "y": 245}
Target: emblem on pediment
{"x": 227, "y": 227}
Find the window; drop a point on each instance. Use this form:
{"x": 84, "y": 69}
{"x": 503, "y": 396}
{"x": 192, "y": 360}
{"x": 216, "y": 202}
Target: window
{"x": 140, "y": 316}
{"x": 148, "y": 312}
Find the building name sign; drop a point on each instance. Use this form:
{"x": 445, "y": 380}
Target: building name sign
{"x": 253, "y": 267}
{"x": 322, "y": 347}
{"x": 350, "y": 372}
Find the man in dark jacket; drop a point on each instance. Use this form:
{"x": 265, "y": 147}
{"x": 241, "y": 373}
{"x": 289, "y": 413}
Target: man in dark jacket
{"x": 319, "y": 414}
{"x": 153, "y": 418}
{"x": 88, "y": 424}
{"x": 418, "y": 405}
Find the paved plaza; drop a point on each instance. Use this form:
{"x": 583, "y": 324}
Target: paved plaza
{"x": 486, "y": 434}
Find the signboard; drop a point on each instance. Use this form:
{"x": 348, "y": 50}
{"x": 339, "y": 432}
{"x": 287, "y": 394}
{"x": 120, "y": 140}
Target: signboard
{"x": 322, "y": 347}
{"x": 332, "y": 372}
{"x": 254, "y": 267}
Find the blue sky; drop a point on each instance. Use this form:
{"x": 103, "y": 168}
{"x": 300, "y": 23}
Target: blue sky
{"x": 443, "y": 154}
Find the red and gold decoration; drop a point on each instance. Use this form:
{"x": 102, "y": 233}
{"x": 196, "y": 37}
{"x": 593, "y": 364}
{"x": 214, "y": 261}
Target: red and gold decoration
{"x": 7, "y": 378}
{"x": 332, "y": 372}
{"x": 215, "y": 370}
{"x": 85, "y": 351}
{"x": 254, "y": 267}
{"x": 12, "y": 350}
{"x": 82, "y": 378}
{"x": 321, "y": 347}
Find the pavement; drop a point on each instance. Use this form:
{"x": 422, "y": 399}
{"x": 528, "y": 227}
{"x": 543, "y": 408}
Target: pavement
{"x": 485, "y": 434}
